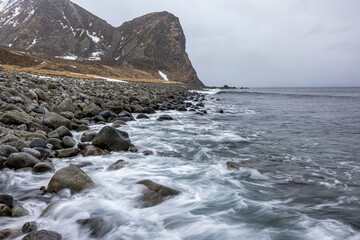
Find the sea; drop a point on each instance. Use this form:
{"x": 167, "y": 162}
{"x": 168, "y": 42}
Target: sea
{"x": 298, "y": 177}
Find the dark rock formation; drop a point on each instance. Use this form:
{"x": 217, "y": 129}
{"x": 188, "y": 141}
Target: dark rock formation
{"x": 112, "y": 139}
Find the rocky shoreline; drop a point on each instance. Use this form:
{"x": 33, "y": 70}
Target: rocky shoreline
{"x": 39, "y": 113}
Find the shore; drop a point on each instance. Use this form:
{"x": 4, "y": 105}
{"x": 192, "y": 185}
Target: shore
{"x": 39, "y": 115}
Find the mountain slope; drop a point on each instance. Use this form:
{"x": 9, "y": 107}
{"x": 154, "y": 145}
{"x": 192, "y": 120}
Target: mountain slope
{"x": 154, "y": 42}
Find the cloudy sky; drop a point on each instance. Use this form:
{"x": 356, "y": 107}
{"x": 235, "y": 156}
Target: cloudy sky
{"x": 259, "y": 43}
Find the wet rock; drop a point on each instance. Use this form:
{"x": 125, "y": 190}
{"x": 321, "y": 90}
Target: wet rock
{"x": 21, "y": 160}
{"x": 157, "y": 193}
{"x": 97, "y": 226}
{"x": 220, "y": 111}
{"x": 233, "y": 165}
{"x": 38, "y": 142}
{"x": 5, "y": 211}
{"x": 54, "y": 120}
{"x": 63, "y": 131}
{"x": 92, "y": 110}
{"x": 107, "y": 114}
{"x": 148, "y": 152}
{"x": 88, "y": 136}
{"x": 165, "y": 118}
{"x": 55, "y": 142}
{"x": 7, "y": 150}
{"x": 43, "y": 235}
{"x": 68, "y": 142}
{"x": 20, "y": 145}
{"x": 19, "y": 211}
{"x": 45, "y": 152}
{"x": 33, "y": 152}
{"x": 149, "y": 110}
{"x": 7, "y": 200}
{"x": 90, "y": 150}
{"x": 53, "y": 134}
{"x": 99, "y": 118}
{"x": 6, "y": 233}
{"x": 112, "y": 139}
{"x": 2, "y": 163}
{"x": 82, "y": 128}
{"x": 181, "y": 108}
{"x": 117, "y": 165}
{"x": 43, "y": 167}
{"x": 142, "y": 116}
{"x": 15, "y": 117}
{"x": 67, "y": 105}
{"x": 29, "y": 227}
{"x": 68, "y": 115}
{"x": 70, "y": 177}
{"x": 69, "y": 152}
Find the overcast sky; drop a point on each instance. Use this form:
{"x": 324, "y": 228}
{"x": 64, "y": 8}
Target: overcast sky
{"x": 259, "y": 43}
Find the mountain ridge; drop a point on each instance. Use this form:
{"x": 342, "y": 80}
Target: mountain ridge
{"x": 154, "y": 42}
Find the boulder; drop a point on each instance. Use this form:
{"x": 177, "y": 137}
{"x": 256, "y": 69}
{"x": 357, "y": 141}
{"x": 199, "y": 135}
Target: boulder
{"x": 68, "y": 142}
{"x": 33, "y": 152}
{"x": 157, "y": 193}
{"x": 7, "y": 150}
{"x": 97, "y": 226}
{"x": 43, "y": 167}
{"x": 63, "y": 131}
{"x": 142, "y": 116}
{"x": 69, "y": 152}
{"x": 5, "y": 211}
{"x": 112, "y": 139}
{"x": 67, "y": 105}
{"x": 15, "y": 117}
{"x": 70, "y": 177}
{"x": 38, "y": 142}
{"x": 233, "y": 165}
{"x": 29, "y": 227}
{"x": 117, "y": 165}
{"x": 55, "y": 142}
{"x": 148, "y": 152}
{"x": 7, "y": 200}
{"x": 90, "y": 150}
{"x": 54, "y": 120}
{"x": 92, "y": 110}
{"x": 21, "y": 160}
{"x": 19, "y": 211}
{"x": 43, "y": 235}
{"x": 88, "y": 136}
{"x": 165, "y": 118}
{"x": 107, "y": 114}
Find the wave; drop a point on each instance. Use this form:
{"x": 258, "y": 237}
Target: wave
{"x": 294, "y": 95}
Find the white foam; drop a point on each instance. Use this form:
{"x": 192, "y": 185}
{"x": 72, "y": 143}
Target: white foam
{"x": 163, "y": 75}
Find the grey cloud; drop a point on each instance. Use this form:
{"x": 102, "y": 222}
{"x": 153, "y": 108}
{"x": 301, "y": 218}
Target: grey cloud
{"x": 257, "y": 43}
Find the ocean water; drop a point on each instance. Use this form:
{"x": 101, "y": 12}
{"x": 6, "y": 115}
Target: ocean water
{"x": 299, "y": 153}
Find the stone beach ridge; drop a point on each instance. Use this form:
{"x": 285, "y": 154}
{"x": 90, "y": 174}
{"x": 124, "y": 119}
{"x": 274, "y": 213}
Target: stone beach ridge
{"x": 38, "y": 113}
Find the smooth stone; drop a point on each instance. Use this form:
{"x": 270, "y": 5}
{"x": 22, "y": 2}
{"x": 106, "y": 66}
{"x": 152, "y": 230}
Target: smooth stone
{"x": 112, "y": 139}
{"x": 5, "y": 211}
{"x": 63, "y": 131}
{"x": 68, "y": 142}
{"x": 6, "y": 199}
{"x": 29, "y": 227}
{"x": 117, "y": 165}
{"x": 38, "y": 142}
{"x": 148, "y": 152}
{"x": 69, "y": 152}
{"x": 142, "y": 116}
{"x": 90, "y": 150}
{"x": 43, "y": 235}
{"x": 165, "y": 118}
{"x": 54, "y": 120}
{"x": 20, "y": 145}
{"x": 45, "y": 152}
{"x": 88, "y": 136}
{"x": 70, "y": 177}
{"x": 21, "y": 160}
{"x": 33, "y": 152}
{"x": 15, "y": 117}
{"x": 56, "y": 143}
{"x": 157, "y": 193}
{"x": 97, "y": 226}
{"x": 7, "y": 150}
{"x": 43, "y": 167}
{"x": 19, "y": 211}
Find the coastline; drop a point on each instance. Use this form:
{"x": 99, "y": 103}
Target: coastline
{"x": 43, "y": 117}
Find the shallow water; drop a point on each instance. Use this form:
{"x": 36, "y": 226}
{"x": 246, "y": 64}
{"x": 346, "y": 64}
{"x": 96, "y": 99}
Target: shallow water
{"x": 300, "y": 174}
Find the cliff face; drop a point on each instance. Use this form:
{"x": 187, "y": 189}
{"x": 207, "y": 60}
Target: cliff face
{"x": 154, "y": 42}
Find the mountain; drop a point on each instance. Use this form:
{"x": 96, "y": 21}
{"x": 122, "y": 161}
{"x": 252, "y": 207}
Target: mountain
{"x": 59, "y": 28}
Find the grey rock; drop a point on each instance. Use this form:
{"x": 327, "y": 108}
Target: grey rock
{"x": 15, "y": 117}
{"x": 88, "y": 136}
{"x": 165, "y": 118}
{"x": 148, "y": 152}
{"x": 117, "y": 165}
{"x": 112, "y": 139}
{"x": 66, "y": 153}
{"x": 90, "y": 150}
{"x": 43, "y": 235}
{"x": 68, "y": 142}
{"x": 19, "y": 211}
{"x": 20, "y": 145}
{"x": 7, "y": 150}
{"x": 55, "y": 142}
{"x": 97, "y": 226}
{"x": 63, "y": 131}
{"x": 5, "y": 211}
{"x": 31, "y": 151}
{"x": 70, "y": 177}
{"x": 43, "y": 167}
{"x": 21, "y": 160}
{"x": 67, "y": 105}
{"x": 142, "y": 116}
{"x": 38, "y": 142}
{"x": 29, "y": 227}
{"x": 7, "y": 200}
{"x": 54, "y": 120}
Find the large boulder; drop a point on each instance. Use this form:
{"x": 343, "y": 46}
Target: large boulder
{"x": 43, "y": 167}
{"x": 70, "y": 177}
{"x": 54, "y": 120}
{"x": 157, "y": 193}
{"x": 21, "y": 160}
{"x": 15, "y": 117}
{"x": 69, "y": 152}
{"x": 7, "y": 200}
{"x": 43, "y": 235}
{"x": 112, "y": 139}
